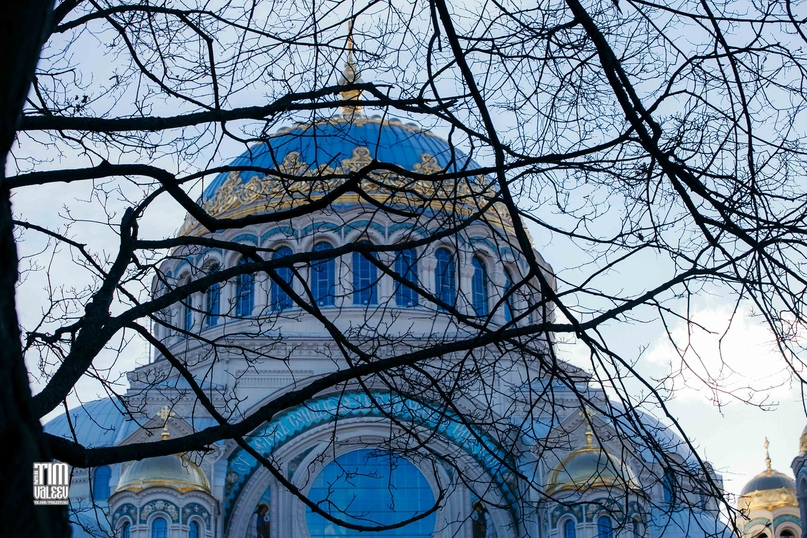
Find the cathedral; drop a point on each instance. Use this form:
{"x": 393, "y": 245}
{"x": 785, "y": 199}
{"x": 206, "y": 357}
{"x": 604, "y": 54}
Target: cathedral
{"x": 488, "y": 443}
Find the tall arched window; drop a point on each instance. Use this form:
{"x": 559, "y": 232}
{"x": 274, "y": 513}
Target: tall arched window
{"x": 193, "y": 530}
{"x": 569, "y": 529}
{"x": 213, "y": 300}
{"x": 100, "y": 483}
{"x": 668, "y": 486}
{"x": 638, "y": 528}
{"x": 187, "y": 309}
{"x": 605, "y": 528}
{"x": 244, "y": 293}
{"x": 406, "y": 265}
{"x": 479, "y": 287}
{"x": 159, "y": 528}
{"x": 787, "y": 533}
{"x": 323, "y": 277}
{"x": 508, "y": 296}
{"x": 365, "y": 278}
{"x": 371, "y": 486}
{"x": 187, "y": 315}
{"x": 126, "y": 530}
{"x": 445, "y": 277}
{"x": 165, "y": 314}
{"x": 280, "y": 299}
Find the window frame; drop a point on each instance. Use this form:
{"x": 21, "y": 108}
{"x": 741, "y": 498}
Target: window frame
{"x": 605, "y": 527}
{"x": 212, "y": 300}
{"x": 365, "y": 286}
{"x": 244, "y": 292}
{"x": 406, "y": 265}
{"x": 445, "y": 276}
{"x": 480, "y": 292}
{"x": 199, "y": 531}
{"x": 322, "y": 278}
{"x": 98, "y": 474}
{"x": 568, "y": 524}
{"x": 281, "y": 301}
{"x": 153, "y": 524}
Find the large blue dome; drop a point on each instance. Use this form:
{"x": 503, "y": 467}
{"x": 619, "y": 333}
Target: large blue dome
{"x": 324, "y": 146}
{"x": 310, "y": 161}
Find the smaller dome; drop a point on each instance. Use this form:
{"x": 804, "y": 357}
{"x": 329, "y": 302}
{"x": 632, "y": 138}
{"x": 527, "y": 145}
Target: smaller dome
{"x": 172, "y": 471}
{"x": 768, "y": 480}
{"x": 768, "y": 490}
{"x": 590, "y": 467}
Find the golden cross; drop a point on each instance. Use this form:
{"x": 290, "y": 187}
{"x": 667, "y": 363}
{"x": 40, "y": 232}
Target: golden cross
{"x": 588, "y": 414}
{"x": 165, "y": 413}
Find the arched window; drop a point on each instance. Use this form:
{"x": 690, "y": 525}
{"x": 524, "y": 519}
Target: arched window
{"x": 365, "y": 278}
{"x": 479, "y": 287}
{"x": 638, "y": 528}
{"x": 445, "y": 277}
{"x": 787, "y": 533}
{"x": 280, "y": 299}
{"x": 406, "y": 265}
{"x": 323, "y": 277}
{"x": 371, "y": 486}
{"x": 605, "y": 528}
{"x": 187, "y": 315}
{"x": 126, "y": 530}
{"x": 508, "y": 296}
{"x": 166, "y": 314}
{"x": 213, "y": 301}
{"x": 159, "y": 528}
{"x": 668, "y": 486}
{"x": 193, "y": 530}
{"x": 569, "y": 529}
{"x": 244, "y": 293}
{"x": 100, "y": 483}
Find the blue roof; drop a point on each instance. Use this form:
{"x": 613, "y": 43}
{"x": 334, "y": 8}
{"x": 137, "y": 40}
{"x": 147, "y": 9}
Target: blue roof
{"x": 686, "y": 523}
{"x": 104, "y": 423}
{"x": 96, "y": 424}
{"x": 328, "y": 143}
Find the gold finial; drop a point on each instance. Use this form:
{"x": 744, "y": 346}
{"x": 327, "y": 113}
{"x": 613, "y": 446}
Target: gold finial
{"x": 587, "y": 413}
{"x": 350, "y": 76}
{"x": 767, "y": 455}
{"x": 165, "y": 413}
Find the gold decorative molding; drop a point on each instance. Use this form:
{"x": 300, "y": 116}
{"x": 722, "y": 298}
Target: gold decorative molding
{"x": 768, "y": 499}
{"x": 296, "y": 183}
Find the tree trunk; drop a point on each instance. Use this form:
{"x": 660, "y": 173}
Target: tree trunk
{"x": 22, "y": 29}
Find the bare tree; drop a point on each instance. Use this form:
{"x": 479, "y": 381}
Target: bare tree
{"x": 658, "y": 148}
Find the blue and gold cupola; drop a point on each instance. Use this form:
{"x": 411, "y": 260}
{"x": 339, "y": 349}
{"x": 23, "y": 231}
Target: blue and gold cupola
{"x": 768, "y": 490}
{"x": 591, "y": 467}
{"x": 173, "y": 471}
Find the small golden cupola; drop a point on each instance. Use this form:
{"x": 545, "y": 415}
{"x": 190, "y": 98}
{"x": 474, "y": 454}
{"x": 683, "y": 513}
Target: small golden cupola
{"x": 590, "y": 467}
{"x": 173, "y": 471}
{"x": 769, "y": 489}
